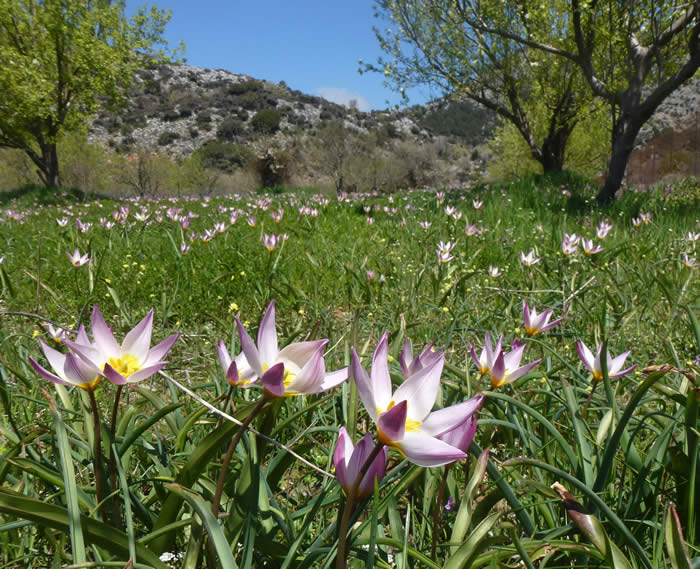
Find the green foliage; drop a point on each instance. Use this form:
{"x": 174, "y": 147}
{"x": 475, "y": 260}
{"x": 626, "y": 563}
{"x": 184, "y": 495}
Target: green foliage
{"x": 167, "y": 137}
{"x": 225, "y": 156}
{"x": 266, "y": 121}
{"x": 230, "y": 128}
{"x": 60, "y": 61}
{"x": 464, "y": 119}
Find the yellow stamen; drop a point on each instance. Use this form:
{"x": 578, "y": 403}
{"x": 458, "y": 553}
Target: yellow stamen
{"x": 125, "y": 365}
{"x": 90, "y": 385}
{"x": 410, "y": 426}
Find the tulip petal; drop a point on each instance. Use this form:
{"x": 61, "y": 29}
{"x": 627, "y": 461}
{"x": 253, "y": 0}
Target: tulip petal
{"x": 47, "y": 374}
{"x": 424, "y": 450}
{"x": 56, "y": 358}
{"x": 104, "y": 339}
{"x": 77, "y": 372}
{"x": 113, "y": 375}
{"x": 379, "y": 373}
{"x": 462, "y": 435}
{"x": 252, "y": 355}
{"x": 616, "y": 363}
{"x": 298, "y": 352}
{"x": 333, "y": 378}
{"x": 364, "y": 386}
{"x": 521, "y": 371}
{"x": 138, "y": 341}
{"x": 446, "y": 419}
{"x": 309, "y": 378}
{"x": 267, "y": 336}
{"x": 341, "y": 455}
{"x": 392, "y": 424}
{"x": 159, "y": 351}
{"x": 146, "y": 372}
{"x": 420, "y": 390}
{"x": 223, "y": 355}
{"x": 273, "y": 380}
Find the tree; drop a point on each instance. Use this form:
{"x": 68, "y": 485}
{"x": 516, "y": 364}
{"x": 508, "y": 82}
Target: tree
{"x": 633, "y": 54}
{"x": 62, "y": 59}
{"x": 435, "y": 43}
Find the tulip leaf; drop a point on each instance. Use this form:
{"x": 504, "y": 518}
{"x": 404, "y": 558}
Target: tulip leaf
{"x": 466, "y": 552}
{"x": 57, "y": 518}
{"x": 71, "y": 490}
{"x": 216, "y": 534}
{"x": 464, "y": 514}
{"x": 675, "y": 544}
{"x": 143, "y": 427}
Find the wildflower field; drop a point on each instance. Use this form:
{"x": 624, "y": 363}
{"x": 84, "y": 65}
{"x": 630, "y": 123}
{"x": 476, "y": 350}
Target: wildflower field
{"x": 502, "y": 376}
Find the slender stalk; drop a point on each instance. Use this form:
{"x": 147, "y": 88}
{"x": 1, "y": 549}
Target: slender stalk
{"x": 227, "y": 399}
{"x": 229, "y": 454}
{"x": 588, "y": 401}
{"x": 97, "y": 455}
{"x": 437, "y": 512}
{"x": 116, "y": 512}
{"x": 341, "y": 557}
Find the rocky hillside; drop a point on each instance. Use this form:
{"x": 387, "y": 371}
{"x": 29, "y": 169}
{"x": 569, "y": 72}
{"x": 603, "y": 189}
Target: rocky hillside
{"x": 178, "y": 108}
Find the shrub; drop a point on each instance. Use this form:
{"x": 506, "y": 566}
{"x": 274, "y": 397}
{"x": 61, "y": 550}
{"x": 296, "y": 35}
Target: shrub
{"x": 230, "y": 128}
{"x": 266, "y": 121}
{"x": 225, "y": 155}
{"x": 167, "y": 137}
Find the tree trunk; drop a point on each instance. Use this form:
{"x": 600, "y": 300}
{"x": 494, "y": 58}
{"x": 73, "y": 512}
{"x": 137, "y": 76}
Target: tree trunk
{"x": 554, "y": 151}
{"x": 624, "y": 135}
{"x": 46, "y": 163}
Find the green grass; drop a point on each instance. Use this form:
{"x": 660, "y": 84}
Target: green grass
{"x": 632, "y": 454}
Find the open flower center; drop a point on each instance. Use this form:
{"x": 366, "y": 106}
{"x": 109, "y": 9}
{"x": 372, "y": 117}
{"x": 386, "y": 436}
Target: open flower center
{"x": 289, "y": 375}
{"x": 125, "y": 365}
{"x": 410, "y": 426}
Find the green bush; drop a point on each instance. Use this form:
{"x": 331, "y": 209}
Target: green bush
{"x": 225, "y": 155}
{"x": 230, "y": 128}
{"x": 167, "y": 137}
{"x": 266, "y": 121}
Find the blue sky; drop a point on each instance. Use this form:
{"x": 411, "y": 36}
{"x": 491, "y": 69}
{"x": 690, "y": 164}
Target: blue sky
{"x": 313, "y": 45}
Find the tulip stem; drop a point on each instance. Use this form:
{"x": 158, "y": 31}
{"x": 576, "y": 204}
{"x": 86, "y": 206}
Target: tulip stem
{"x": 341, "y": 557}
{"x": 227, "y": 399}
{"x": 116, "y": 513}
{"x": 588, "y": 401}
{"x": 437, "y": 512}
{"x": 229, "y": 454}
{"x": 97, "y": 458}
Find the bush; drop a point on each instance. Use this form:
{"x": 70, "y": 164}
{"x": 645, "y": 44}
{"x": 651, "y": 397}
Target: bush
{"x": 230, "y": 128}
{"x": 225, "y": 155}
{"x": 266, "y": 121}
{"x": 167, "y": 137}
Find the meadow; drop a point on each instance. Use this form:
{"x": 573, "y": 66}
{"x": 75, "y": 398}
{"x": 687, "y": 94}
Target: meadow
{"x": 558, "y": 459}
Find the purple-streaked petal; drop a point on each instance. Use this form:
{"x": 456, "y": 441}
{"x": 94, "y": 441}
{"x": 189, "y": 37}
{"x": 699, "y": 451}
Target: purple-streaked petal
{"x": 267, "y": 336}
{"x": 424, "y": 450}
{"x": 341, "y": 456}
{"x": 252, "y": 355}
{"x": 334, "y": 378}
{"x": 623, "y": 372}
{"x": 364, "y": 385}
{"x": 82, "y": 337}
{"x": 88, "y": 353}
{"x": 585, "y": 354}
{"x": 56, "y": 358}
{"x": 146, "y": 372}
{"x": 462, "y": 435}
{"x": 521, "y": 371}
{"x": 406, "y": 357}
{"x": 47, "y": 374}
{"x": 309, "y": 378}
{"x": 77, "y": 372}
{"x": 498, "y": 370}
{"x": 552, "y": 324}
{"x": 379, "y": 373}
{"x": 512, "y": 359}
{"x": 616, "y": 363}
{"x": 273, "y": 380}
{"x": 446, "y": 419}
{"x": 362, "y": 452}
{"x": 159, "y": 351}
{"x": 104, "y": 339}
{"x": 526, "y": 314}
{"x": 420, "y": 390}
{"x": 113, "y": 375}
{"x": 223, "y": 355}
{"x": 299, "y": 352}
{"x": 138, "y": 341}
{"x": 232, "y": 374}
{"x": 475, "y": 357}
{"x": 392, "y": 424}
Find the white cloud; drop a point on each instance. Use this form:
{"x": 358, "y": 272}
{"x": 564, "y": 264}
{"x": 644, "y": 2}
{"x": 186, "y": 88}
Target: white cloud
{"x": 343, "y": 96}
